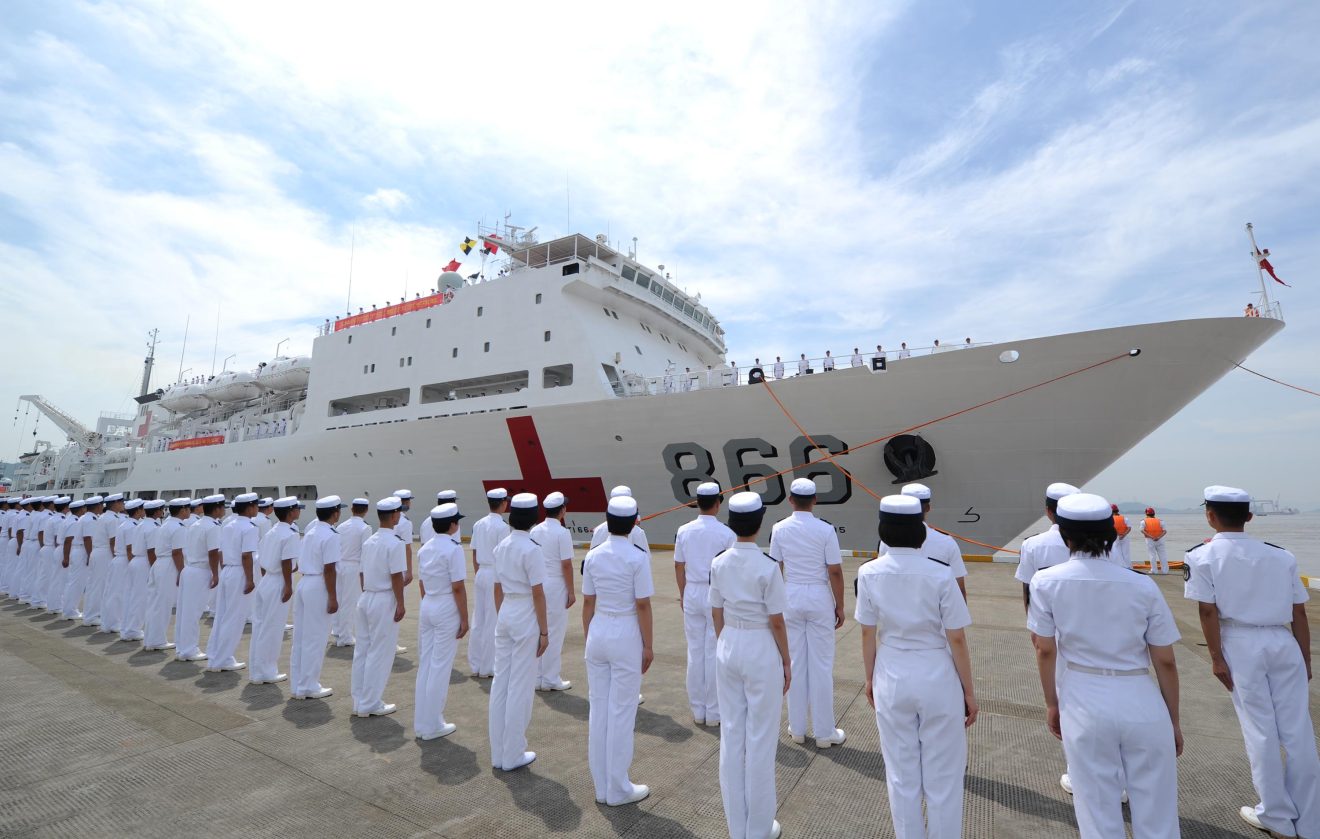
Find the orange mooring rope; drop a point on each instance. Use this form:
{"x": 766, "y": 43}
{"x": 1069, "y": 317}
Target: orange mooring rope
{"x": 1276, "y": 381}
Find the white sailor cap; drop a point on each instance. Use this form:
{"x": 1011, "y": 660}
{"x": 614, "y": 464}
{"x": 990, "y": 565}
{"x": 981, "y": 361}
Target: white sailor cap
{"x": 1226, "y": 495}
{"x": 388, "y": 504}
{"x": 331, "y": 502}
{"x": 707, "y": 489}
{"x": 91, "y": 502}
{"x": 802, "y": 486}
{"x": 214, "y": 499}
{"x": 524, "y": 501}
{"x": 446, "y": 495}
{"x": 153, "y": 504}
{"x": 1056, "y": 491}
{"x": 1086, "y": 511}
{"x": 180, "y": 502}
{"x": 132, "y": 504}
{"x": 497, "y": 494}
{"x": 262, "y": 503}
{"x": 899, "y": 507}
{"x": 621, "y": 490}
{"x": 77, "y": 505}
{"x": 285, "y": 503}
{"x": 197, "y": 502}
{"x": 442, "y": 512}
{"x": 405, "y": 494}
{"x": 109, "y": 499}
{"x": 554, "y": 501}
{"x": 245, "y": 498}
{"x": 921, "y": 492}
{"x": 745, "y": 502}
{"x": 361, "y": 502}
{"x": 63, "y": 499}
{"x": 622, "y": 506}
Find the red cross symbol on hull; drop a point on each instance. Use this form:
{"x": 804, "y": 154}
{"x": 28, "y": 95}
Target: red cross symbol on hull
{"x": 585, "y": 495}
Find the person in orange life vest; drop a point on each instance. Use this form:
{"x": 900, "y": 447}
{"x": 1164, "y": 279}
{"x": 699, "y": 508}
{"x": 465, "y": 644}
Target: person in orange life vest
{"x": 1122, "y": 550}
{"x": 1251, "y": 312}
{"x": 1154, "y": 531}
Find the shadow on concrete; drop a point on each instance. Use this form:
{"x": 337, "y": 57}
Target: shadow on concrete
{"x": 868, "y": 763}
{"x": 450, "y": 763}
{"x": 79, "y": 631}
{"x": 216, "y": 682}
{"x": 176, "y": 670}
{"x": 401, "y": 664}
{"x": 42, "y": 617}
{"x": 381, "y": 734}
{"x": 659, "y": 725}
{"x": 341, "y": 653}
{"x": 544, "y": 798}
{"x": 631, "y": 819}
{"x": 1021, "y": 799}
{"x": 564, "y": 702}
{"x": 103, "y": 638}
{"x": 792, "y": 755}
{"x": 261, "y": 697}
{"x": 146, "y": 658}
{"x": 307, "y": 713}
{"x": 457, "y": 676}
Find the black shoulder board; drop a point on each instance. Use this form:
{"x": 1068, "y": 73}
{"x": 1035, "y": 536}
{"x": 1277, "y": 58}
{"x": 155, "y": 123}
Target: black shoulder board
{"x": 827, "y": 521}
{"x": 397, "y": 536}
{"x": 639, "y": 547}
{"x": 583, "y": 568}
{"x": 940, "y": 561}
{"x": 768, "y": 556}
{"x": 334, "y": 529}
{"x": 1280, "y": 547}
{"x": 1196, "y": 547}
{"x": 534, "y": 542}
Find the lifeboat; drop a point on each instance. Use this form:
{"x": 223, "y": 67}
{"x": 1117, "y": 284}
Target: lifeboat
{"x": 286, "y": 373}
{"x": 120, "y": 455}
{"x": 184, "y": 398}
{"x": 232, "y": 386}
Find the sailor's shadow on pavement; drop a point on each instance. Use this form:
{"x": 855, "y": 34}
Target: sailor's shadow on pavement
{"x": 660, "y": 725}
{"x": 261, "y": 697}
{"x": 177, "y": 670}
{"x": 867, "y": 762}
{"x": 340, "y": 653}
{"x": 307, "y": 713}
{"x": 401, "y": 664}
{"x": 42, "y": 617}
{"x": 210, "y": 682}
{"x": 564, "y": 702}
{"x": 381, "y": 734}
{"x": 79, "y": 631}
{"x": 791, "y": 755}
{"x": 1021, "y": 799}
{"x": 103, "y": 638}
{"x": 543, "y": 797}
{"x": 147, "y": 658}
{"x": 631, "y": 819}
{"x": 121, "y": 647}
{"x": 449, "y": 762}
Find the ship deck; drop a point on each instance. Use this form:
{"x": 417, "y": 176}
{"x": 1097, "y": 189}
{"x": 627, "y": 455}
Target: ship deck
{"x": 103, "y": 739}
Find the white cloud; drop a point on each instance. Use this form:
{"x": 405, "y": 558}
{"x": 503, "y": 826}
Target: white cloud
{"x": 389, "y": 200}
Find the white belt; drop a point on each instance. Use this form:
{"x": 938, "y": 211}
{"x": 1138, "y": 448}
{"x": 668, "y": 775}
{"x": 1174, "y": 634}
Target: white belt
{"x": 517, "y": 595}
{"x": 631, "y": 613}
{"x": 378, "y": 590}
{"x": 201, "y": 565}
{"x": 742, "y": 624}
{"x": 1105, "y": 671}
{"x": 813, "y": 583}
{"x": 698, "y": 583}
{"x": 310, "y": 574}
{"x": 1237, "y": 624}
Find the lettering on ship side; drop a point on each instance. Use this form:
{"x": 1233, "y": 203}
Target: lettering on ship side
{"x": 585, "y": 495}
{"x": 745, "y": 461}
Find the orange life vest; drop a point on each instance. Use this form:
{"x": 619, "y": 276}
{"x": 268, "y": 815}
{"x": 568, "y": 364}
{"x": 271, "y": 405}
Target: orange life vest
{"x": 1121, "y": 525}
{"x": 1154, "y": 529}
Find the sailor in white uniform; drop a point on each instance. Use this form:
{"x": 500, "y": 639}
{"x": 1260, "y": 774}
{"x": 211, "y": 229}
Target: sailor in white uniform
{"x": 18, "y": 535}
{"x": 111, "y": 520}
{"x": 38, "y": 530}
{"x": 98, "y": 534}
{"x": 1108, "y": 625}
{"x": 165, "y": 558}
{"x": 426, "y": 531}
{"x": 807, "y": 550}
{"x": 637, "y": 536}
{"x": 264, "y": 520}
{"x": 78, "y": 540}
{"x": 32, "y": 550}
{"x": 557, "y": 548}
{"x": 277, "y": 557}
{"x": 488, "y": 532}
{"x": 316, "y": 599}
{"x": 201, "y": 573}
{"x": 353, "y": 534}
{"x": 5, "y": 514}
{"x": 443, "y": 619}
{"x": 233, "y": 601}
{"x": 616, "y": 620}
{"x": 938, "y": 546}
{"x": 46, "y": 556}
{"x": 697, "y": 544}
{"x": 380, "y": 609}
{"x": 779, "y": 368}
{"x": 139, "y": 571}
{"x": 55, "y": 540}
{"x": 116, "y": 587}
{"x": 521, "y": 635}
{"x": 1253, "y": 613}
{"x": 748, "y": 601}
{"x": 918, "y": 674}
{"x": 405, "y": 529}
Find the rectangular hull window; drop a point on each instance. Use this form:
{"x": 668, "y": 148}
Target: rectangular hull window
{"x": 365, "y": 402}
{"x": 475, "y": 388}
{"x": 560, "y": 375}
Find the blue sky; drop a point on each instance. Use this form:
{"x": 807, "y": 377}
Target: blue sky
{"x": 826, "y": 177}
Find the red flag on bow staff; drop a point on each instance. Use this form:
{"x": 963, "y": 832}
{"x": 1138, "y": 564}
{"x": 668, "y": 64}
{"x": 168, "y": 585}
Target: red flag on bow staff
{"x": 1262, "y": 259}
{"x": 453, "y": 265}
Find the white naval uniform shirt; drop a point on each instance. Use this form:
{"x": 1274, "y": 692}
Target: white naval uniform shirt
{"x": 1251, "y": 581}
{"x": 237, "y": 538}
{"x": 803, "y": 366}
{"x": 201, "y": 539}
{"x": 637, "y": 536}
{"x": 139, "y": 541}
{"x": 320, "y": 547}
{"x": 617, "y": 574}
{"x": 1044, "y": 550}
{"x": 172, "y": 535}
{"x": 440, "y": 565}
{"x": 264, "y": 523}
{"x": 556, "y": 546}
{"x": 69, "y": 529}
{"x": 124, "y": 536}
{"x": 911, "y": 601}
{"x": 857, "y": 359}
{"x": 382, "y": 557}
{"x": 428, "y": 532}
{"x": 519, "y": 564}
{"x": 698, "y": 543}
{"x": 1102, "y": 614}
{"x": 943, "y": 548}
{"x": 804, "y": 545}
{"x": 747, "y": 585}
{"x": 779, "y": 369}
{"x": 86, "y": 528}
{"x": 51, "y": 527}
{"x": 279, "y": 544}
{"x": 488, "y": 532}
{"x": 353, "y": 534}
{"x": 97, "y": 528}
{"x": 405, "y": 529}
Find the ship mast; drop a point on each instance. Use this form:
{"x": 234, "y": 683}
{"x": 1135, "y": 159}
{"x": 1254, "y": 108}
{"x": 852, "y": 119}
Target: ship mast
{"x": 1265, "y": 303}
{"x": 149, "y": 363}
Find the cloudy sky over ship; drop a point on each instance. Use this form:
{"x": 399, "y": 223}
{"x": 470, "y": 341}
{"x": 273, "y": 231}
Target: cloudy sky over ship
{"x": 825, "y": 175}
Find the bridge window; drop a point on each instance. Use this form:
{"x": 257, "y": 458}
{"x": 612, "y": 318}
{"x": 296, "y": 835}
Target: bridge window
{"x": 628, "y": 273}
{"x": 365, "y": 402}
{"x": 570, "y": 269}
{"x": 560, "y": 375}
{"x": 474, "y": 387}
{"x": 202, "y": 493}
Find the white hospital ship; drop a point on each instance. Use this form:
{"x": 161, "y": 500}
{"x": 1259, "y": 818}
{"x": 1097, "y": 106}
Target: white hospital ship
{"x": 569, "y": 369}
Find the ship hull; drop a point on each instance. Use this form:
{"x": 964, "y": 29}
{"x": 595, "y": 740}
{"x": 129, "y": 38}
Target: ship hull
{"x": 1068, "y": 407}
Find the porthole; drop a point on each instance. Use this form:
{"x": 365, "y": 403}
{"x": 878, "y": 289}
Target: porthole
{"x": 1009, "y": 356}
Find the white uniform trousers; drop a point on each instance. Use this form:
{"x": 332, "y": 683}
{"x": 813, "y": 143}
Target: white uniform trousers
{"x": 4, "y": 565}
{"x": 135, "y": 603}
{"x": 211, "y": 600}
{"x": 194, "y": 585}
{"x": 28, "y": 565}
{"x": 94, "y": 596}
{"x": 1122, "y": 552}
{"x": 348, "y": 588}
{"x": 514, "y": 686}
{"x": 1159, "y": 560}
{"x": 751, "y": 688}
{"x": 311, "y": 629}
{"x": 481, "y": 639}
{"x": 810, "y": 622}
{"x": 116, "y": 590}
{"x": 55, "y": 586}
{"x": 919, "y": 713}
{"x": 231, "y": 614}
{"x": 437, "y": 624}
{"x": 614, "y": 677}
{"x": 41, "y": 586}
{"x": 373, "y": 656}
{"x": 699, "y": 629}
{"x": 1116, "y": 731}
{"x": 75, "y": 579}
{"x": 1271, "y": 699}
{"x": 267, "y": 629}
{"x": 556, "y": 624}
{"x": 162, "y": 593}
